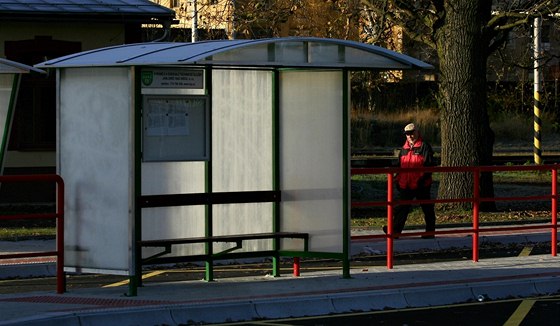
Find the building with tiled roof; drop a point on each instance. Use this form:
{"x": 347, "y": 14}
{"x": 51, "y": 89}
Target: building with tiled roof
{"x": 32, "y": 31}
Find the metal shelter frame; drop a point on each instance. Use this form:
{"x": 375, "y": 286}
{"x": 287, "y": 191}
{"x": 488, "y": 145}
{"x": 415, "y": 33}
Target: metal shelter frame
{"x": 276, "y": 55}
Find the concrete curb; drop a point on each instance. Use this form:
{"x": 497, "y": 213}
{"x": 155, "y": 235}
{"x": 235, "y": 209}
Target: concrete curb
{"x": 521, "y": 288}
{"x": 213, "y": 313}
{"x": 363, "y": 301}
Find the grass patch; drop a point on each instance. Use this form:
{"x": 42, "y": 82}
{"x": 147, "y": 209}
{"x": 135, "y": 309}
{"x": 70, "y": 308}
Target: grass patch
{"x": 24, "y": 233}
{"x": 526, "y": 177}
{"x": 446, "y": 218}
{"x": 22, "y": 229}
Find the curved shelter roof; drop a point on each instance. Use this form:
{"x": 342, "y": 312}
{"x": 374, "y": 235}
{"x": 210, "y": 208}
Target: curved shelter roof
{"x": 303, "y": 52}
{"x": 12, "y": 67}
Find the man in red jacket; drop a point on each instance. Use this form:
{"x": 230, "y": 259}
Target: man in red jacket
{"x": 414, "y": 153}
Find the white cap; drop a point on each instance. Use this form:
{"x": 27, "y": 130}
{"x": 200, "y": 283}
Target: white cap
{"x": 409, "y": 127}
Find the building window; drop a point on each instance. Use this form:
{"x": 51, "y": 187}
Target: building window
{"x": 175, "y": 3}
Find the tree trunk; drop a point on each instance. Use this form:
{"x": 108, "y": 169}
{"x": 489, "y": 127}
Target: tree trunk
{"x": 466, "y": 137}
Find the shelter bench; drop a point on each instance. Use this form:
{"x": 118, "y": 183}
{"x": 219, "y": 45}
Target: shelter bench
{"x": 237, "y": 239}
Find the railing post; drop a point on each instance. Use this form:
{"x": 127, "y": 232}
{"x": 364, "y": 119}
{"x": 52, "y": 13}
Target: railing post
{"x": 554, "y": 230}
{"x": 296, "y": 266}
{"x": 389, "y": 220}
{"x": 476, "y": 212}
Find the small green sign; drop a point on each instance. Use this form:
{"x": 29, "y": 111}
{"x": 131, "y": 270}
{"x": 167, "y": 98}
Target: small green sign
{"x": 147, "y": 78}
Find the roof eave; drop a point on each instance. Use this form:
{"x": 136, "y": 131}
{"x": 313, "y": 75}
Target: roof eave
{"x": 12, "y": 67}
{"x": 89, "y": 17}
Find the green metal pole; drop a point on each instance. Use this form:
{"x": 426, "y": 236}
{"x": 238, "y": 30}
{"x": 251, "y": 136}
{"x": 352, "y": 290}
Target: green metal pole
{"x": 135, "y": 280}
{"x": 209, "y": 228}
{"x": 276, "y": 166}
{"x": 346, "y": 174}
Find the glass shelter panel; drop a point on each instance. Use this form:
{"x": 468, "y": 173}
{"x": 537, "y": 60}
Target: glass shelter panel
{"x": 242, "y": 150}
{"x": 357, "y": 57}
{"x": 6, "y": 88}
{"x": 258, "y": 53}
{"x": 294, "y": 52}
{"x": 311, "y": 152}
{"x": 161, "y": 178}
{"x": 325, "y": 53}
{"x": 6, "y": 84}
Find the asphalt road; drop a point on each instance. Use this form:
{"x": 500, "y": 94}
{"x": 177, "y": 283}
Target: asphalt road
{"x": 542, "y": 311}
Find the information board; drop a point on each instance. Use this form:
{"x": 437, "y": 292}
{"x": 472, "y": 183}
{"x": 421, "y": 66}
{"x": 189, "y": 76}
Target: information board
{"x": 175, "y": 128}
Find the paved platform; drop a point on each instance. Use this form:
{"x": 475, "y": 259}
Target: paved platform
{"x": 316, "y": 293}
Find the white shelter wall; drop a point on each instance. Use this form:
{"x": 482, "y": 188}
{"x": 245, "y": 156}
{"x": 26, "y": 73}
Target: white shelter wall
{"x": 95, "y": 114}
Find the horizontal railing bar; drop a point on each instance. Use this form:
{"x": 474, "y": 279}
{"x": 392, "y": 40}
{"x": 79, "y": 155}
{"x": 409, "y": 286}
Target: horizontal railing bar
{"x": 208, "y": 198}
{"x": 476, "y": 200}
{"x": 58, "y": 216}
{"x": 29, "y": 255}
{"x": 35, "y": 216}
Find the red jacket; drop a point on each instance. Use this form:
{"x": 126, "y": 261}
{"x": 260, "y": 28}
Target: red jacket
{"x": 421, "y": 154}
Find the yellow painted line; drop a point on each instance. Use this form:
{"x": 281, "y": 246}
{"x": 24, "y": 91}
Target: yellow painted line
{"x": 520, "y": 313}
{"x": 125, "y": 282}
{"x": 526, "y": 251}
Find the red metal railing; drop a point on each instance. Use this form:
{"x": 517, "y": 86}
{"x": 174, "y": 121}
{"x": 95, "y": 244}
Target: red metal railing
{"x": 476, "y": 199}
{"x": 58, "y": 215}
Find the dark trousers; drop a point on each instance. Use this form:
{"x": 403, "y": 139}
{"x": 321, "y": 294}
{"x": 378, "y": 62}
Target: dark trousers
{"x": 401, "y": 211}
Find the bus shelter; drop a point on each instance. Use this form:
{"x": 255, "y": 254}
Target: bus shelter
{"x": 212, "y": 150}
{"x": 10, "y": 76}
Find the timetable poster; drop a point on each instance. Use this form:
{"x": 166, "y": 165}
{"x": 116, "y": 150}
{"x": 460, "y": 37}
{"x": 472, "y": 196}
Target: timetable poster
{"x": 169, "y": 117}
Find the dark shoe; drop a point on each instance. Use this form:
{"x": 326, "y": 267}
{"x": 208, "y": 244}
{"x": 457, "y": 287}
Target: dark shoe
{"x": 385, "y": 231}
